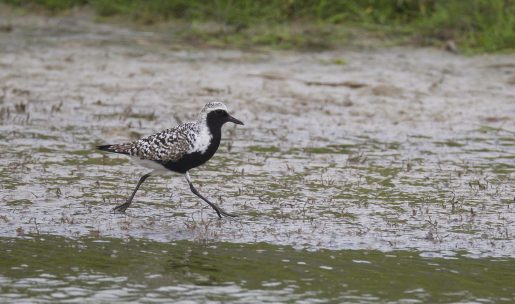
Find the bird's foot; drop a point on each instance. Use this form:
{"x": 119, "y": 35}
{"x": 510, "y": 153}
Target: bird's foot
{"x": 121, "y": 208}
{"x": 221, "y": 212}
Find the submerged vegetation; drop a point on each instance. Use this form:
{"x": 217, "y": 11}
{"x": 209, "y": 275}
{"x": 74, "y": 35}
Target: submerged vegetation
{"x": 132, "y": 270}
{"x": 474, "y": 25}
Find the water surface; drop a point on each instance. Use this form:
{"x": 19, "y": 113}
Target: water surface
{"x": 92, "y": 270}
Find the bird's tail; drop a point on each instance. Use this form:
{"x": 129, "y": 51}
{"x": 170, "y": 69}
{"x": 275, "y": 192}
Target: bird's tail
{"x": 108, "y": 148}
{"x": 119, "y": 148}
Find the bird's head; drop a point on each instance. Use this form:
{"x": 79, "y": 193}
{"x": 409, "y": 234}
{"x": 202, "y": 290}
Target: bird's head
{"x": 215, "y": 112}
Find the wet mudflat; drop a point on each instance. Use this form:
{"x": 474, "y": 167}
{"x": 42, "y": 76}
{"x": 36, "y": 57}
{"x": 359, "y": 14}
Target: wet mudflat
{"x": 396, "y": 157}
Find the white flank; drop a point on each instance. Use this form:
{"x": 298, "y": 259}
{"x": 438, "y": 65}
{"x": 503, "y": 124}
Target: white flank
{"x": 149, "y": 164}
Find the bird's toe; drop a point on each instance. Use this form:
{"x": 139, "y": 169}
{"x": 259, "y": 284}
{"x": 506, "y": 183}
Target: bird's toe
{"x": 121, "y": 208}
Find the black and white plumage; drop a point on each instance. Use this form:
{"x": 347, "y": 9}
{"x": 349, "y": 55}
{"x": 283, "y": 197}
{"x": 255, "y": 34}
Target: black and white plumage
{"x": 179, "y": 149}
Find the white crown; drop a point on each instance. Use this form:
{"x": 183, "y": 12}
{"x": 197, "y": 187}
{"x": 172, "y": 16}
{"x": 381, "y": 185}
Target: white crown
{"x": 213, "y": 106}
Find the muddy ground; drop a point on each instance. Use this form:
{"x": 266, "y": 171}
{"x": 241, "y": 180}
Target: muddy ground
{"x": 373, "y": 148}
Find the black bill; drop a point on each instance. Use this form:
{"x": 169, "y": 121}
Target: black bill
{"x": 236, "y": 121}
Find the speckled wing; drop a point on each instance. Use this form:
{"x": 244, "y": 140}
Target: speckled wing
{"x": 168, "y": 145}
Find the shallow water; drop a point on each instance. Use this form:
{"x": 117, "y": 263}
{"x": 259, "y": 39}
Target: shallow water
{"x": 89, "y": 270}
{"x": 409, "y": 152}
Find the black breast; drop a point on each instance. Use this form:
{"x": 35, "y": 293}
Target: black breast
{"x": 192, "y": 160}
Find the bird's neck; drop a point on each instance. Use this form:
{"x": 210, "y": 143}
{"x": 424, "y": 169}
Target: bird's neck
{"x": 214, "y": 126}
{"x": 215, "y": 129}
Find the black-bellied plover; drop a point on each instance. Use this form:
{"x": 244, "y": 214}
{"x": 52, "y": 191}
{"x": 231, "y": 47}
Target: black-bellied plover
{"x": 179, "y": 149}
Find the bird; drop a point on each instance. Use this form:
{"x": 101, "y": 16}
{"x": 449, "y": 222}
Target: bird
{"x": 178, "y": 149}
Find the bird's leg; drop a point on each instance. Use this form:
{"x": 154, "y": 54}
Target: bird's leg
{"x": 218, "y": 210}
{"x": 126, "y": 205}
